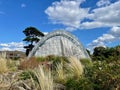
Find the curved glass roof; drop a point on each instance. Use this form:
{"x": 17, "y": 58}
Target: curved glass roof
{"x": 60, "y": 43}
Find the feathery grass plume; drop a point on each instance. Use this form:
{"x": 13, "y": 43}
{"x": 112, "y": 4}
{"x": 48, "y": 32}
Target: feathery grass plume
{"x": 3, "y": 63}
{"x": 60, "y": 75}
{"x": 75, "y": 67}
{"x": 45, "y": 80}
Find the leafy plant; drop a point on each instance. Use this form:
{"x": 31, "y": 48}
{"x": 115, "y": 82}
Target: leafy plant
{"x": 80, "y": 84}
{"x": 27, "y": 74}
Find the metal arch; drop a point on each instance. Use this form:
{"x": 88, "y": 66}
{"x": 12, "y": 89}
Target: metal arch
{"x": 65, "y": 34}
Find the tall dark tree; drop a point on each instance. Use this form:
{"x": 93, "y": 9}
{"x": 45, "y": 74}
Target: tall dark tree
{"x": 32, "y": 35}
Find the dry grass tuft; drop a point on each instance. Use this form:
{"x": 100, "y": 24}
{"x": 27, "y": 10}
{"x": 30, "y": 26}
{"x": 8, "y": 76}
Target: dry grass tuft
{"x": 60, "y": 75}
{"x": 45, "y": 80}
{"x": 75, "y": 67}
{"x": 29, "y": 64}
{"x": 3, "y": 63}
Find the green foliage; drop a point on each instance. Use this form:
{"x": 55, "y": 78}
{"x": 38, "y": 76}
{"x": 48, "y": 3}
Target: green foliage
{"x": 59, "y": 59}
{"x": 100, "y": 73}
{"x": 28, "y": 74}
{"x": 104, "y": 75}
{"x": 80, "y": 84}
{"x": 25, "y": 75}
{"x": 106, "y": 54}
{"x": 52, "y": 58}
{"x": 86, "y": 62}
{"x": 31, "y": 34}
{"x": 40, "y": 59}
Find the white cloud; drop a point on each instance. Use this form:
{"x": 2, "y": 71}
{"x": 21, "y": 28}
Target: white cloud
{"x": 102, "y": 39}
{"x": 69, "y": 28}
{"x": 23, "y": 5}
{"x": 70, "y": 14}
{"x": 12, "y": 46}
{"x": 4, "y": 45}
{"x": 111, "y": 36}
{"x": 116, "y": 32}
{"x": 103, "y": 3}
{"x": 104, "y": 17}
{"x": 90, "y": 25}
{"x": 106, "y": 38}
{"x": 67, "y": 12}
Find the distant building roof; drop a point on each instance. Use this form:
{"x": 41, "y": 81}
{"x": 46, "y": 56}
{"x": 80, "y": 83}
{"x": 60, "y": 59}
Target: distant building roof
{"x": 13, "y": 54}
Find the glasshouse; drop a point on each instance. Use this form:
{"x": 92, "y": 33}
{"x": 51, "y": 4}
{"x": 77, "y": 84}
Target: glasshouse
{"x": 59, "y": 43}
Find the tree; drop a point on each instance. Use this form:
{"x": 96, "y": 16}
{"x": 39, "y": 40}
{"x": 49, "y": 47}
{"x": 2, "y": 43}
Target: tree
{"x": 32, "y": 35}
{"x": 99, "y": 53}
{"x": 108, "y": 53}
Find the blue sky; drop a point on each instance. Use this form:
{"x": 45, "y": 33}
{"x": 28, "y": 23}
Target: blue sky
{"x": 93, "y": 22}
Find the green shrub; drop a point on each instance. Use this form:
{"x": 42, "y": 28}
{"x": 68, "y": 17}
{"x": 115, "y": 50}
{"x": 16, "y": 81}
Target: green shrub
{"x": 40, "y": 59}
{"x": 27, "y": 74}
{"x": 104, "y": 75}
{"x": 79, "y": 84}
{"x": 86, "y": 62}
